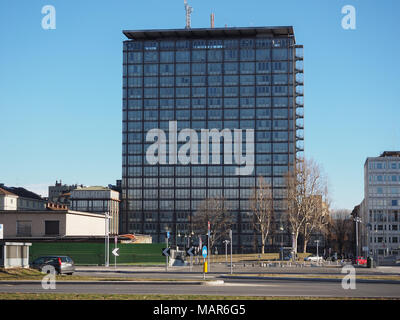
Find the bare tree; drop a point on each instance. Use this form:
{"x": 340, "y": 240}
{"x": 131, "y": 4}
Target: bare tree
{"x": 212, "y": 210}
{"x": 341, "y": 230}
{"x": 262, "y": 209}
{"x": 305, "y": 188}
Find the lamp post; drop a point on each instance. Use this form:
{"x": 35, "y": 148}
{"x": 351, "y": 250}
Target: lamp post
{"x": 166, "y": 245}
{"x": 226, "y": 251}
{"x": 107, "y": 239}
{"x": 281, "y": 230}
{"x": 357, "y": 220}
{"x": 317, "y": 242}
{"x": 294, "y": 250}
{"x": 369, "y": 226}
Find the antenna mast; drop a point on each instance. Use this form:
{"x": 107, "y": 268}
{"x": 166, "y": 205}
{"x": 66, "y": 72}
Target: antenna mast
{"x": 189, "y": 11}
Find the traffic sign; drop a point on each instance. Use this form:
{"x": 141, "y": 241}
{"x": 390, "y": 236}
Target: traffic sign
{"x": 166, "y": 252}
{"x": 115, "y": 252}
{"x": 204, "y": 252}
{"x": 168, "y": 234}
{"x": 190, "y": 251}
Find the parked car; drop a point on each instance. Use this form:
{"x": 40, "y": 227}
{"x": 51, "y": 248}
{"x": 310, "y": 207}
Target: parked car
{"x": 314, "y": 259}
{"x": 359, "y": 260}
{"x": 62, "y": 264}
{"x": 331, "y": 258}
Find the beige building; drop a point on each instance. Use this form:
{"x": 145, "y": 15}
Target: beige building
{"x": 8, "y": 200}
{"x": 51, "y": 223}
{"x": 99, "y": 200}
{"x": 18, "y": 198}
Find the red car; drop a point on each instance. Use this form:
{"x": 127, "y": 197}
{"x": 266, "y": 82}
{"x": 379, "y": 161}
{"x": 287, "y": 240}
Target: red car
{"x": 359, "y": 261}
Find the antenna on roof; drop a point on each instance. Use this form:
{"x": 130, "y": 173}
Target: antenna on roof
{"x": 189, "y": 11}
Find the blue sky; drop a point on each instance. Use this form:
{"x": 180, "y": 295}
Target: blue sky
{"x": 60, "y": 90}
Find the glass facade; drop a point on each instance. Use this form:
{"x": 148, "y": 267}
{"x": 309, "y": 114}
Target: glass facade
{"x": 208, "y": 83}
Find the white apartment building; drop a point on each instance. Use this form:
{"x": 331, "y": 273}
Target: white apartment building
{"x": 380, "y": 209}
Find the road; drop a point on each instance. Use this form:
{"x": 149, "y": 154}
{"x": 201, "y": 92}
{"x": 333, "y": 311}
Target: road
{"x": 235, "y": 287}
{"x": 217, "y": 270}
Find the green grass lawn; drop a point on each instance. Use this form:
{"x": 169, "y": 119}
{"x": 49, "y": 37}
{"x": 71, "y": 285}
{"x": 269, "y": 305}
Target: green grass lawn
{"x": 74, "y": 296}
{"x": 32, "y": 274}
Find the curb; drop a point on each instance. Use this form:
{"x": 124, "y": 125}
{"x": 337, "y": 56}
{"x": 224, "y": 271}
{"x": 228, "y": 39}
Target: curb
{"x": 311, "y": 279}
{"x": 73, "y": 282}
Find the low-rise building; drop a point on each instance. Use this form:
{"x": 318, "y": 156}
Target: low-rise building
{"x": 51, "y": 223}
{"x": 60, "y": 193}
{"x": 97, "y": 199}
{"x": 18, "y": 198}
{"x": 8, "y": 200}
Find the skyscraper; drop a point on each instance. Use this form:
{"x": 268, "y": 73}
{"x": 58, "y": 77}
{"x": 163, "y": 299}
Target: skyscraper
{"x": 242, "y": 84}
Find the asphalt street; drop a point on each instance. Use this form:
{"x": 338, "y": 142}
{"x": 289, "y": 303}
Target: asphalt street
{"x": 185, "y": 272}
{"x": 229, "y": 288}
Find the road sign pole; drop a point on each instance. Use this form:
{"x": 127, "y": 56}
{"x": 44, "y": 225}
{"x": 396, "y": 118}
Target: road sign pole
{"x": 166, "y": 258}
{"x": 230, "y": 235}
{"x": 208, "y": 245}
{"x": 204, "y": 270}
{"x": 204, "y": 252}
{"x": 115, "y": 256}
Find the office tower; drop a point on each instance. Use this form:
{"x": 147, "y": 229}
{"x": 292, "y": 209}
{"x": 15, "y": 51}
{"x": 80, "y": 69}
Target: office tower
{"x": 379, "y": 226}
{"x": 204, "y": 79}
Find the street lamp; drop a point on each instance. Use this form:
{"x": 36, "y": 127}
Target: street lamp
{"x": 166, "y": 245}
{"x": 317, "y": 242}
{"x": 357, "y": 220}
{"x": 226, "y": 251}
{"x": 281, "y": 229}
{"x": 369, "y": 226}
{"x": 107, "y": 239}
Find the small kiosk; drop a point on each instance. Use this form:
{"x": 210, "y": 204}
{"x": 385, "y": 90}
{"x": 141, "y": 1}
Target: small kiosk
{"x": 14, "y": 254}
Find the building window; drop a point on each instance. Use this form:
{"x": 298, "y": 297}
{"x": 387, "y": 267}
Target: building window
{"x": 24, "y": 228}
{"x": 394, "y": 203}
{"x": 52, "y": 228}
